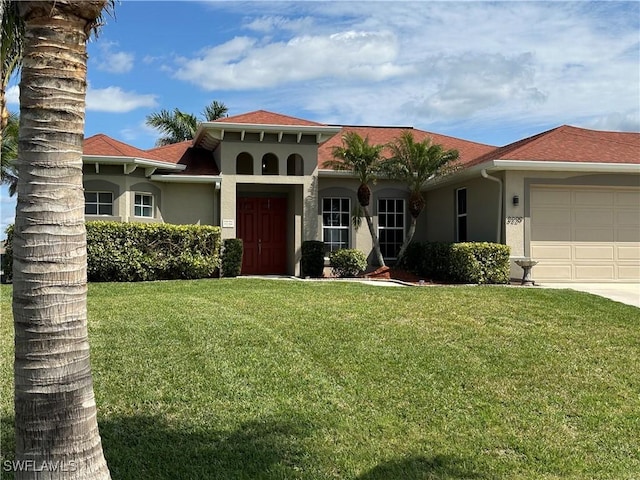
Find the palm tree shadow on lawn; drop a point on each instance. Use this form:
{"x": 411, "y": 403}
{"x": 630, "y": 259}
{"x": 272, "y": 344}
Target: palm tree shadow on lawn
{"x": 146, "y": 447}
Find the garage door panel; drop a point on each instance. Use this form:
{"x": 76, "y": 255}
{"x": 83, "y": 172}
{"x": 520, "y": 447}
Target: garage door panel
{"x": 593, "y": 235}
{"x": 550, "y": 197}
{"x": 587, "y": 234}
{"x": 554, "y": 216}
{"x": 587, "y": 273}
{"x": 629, "y": 235}
{"x": 629, "y": 272}
{"x": 594, "y": 252}
{"x": 628, "y": 217}
{"x": 551, "y": 252}
{"x": 552, "y": 271}
{"x": 628, "y": 252}
{"x": 628, "y": 199}
{"x": 593, "y": 217}
{"x": 553, "y": 233}
{"x": 593, "y": 197}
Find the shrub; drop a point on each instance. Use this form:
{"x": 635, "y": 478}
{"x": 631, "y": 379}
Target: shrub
{"x": 347, "y": 262}
{"x": 470, "y": 262}
{"x": 7, "y": 258}
{"x": 312, "y": 261}
{"x": 232, "y": 257}
{"x": 131, "y": 252}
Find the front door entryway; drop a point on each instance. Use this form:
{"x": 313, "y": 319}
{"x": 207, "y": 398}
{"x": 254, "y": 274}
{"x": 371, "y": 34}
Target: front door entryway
{"x": 262, "y": 226}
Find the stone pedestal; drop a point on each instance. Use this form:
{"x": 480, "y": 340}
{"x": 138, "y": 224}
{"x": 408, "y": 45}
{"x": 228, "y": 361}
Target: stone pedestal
{"x": 526, "y": 264}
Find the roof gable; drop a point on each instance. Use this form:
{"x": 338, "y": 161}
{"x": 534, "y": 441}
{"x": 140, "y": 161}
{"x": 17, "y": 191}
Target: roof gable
{"x": 105, "y": 146}
{"x": 264, "y": 117}
{"x": 571, "y": 144}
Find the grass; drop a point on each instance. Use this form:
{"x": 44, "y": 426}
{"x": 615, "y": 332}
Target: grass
{"x": 272, "y": 379}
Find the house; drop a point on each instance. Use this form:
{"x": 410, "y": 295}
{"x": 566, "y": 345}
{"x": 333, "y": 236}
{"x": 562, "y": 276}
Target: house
{"x": 569, "y": 197}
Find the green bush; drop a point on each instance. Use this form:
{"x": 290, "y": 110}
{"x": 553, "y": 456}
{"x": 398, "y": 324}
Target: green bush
{"x": 312, "y": 261}
{"x": 470, "y": 262}
{"x": 7, "y": 258}
{"x": 232, "y": 257}
{"x": 132, "y": 252}
{"x": 347, "y": 262}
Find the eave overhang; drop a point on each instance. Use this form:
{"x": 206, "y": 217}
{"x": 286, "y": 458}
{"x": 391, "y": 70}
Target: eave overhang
{"x": 131, "y": 163}
{"x": 187, "y": 178}
{"x": 210, "y": 134}
{"x": 532, "y": 166}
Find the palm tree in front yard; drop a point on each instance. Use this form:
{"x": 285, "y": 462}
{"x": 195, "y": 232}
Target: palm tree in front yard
{"x": 55, "y": 409}
{"x": 9, "y": 155}
{"x": 414, "y": 163}
{"x": 363, "y": 159}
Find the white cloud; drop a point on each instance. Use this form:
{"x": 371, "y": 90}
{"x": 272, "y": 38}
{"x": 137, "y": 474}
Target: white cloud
{"x": 113, "y": 61}
{"x": 245, "y": 63}
{"x": 116, "y": 100}
{"x": 271, "y": 23}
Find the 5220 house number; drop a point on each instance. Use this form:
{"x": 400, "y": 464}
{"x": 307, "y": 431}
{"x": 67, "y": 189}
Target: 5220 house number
{"x": 514, "y": 220}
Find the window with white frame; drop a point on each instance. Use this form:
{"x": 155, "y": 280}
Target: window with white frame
{"x": 336, "y": 214}
{"x": 98, "y": 203}
{"x": 391, "y": 219}
{"x": 461, "y": 215}
{"x": 143, "y": 205}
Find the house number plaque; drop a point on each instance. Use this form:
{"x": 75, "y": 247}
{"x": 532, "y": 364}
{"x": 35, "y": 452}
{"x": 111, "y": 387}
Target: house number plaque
{"x": 228, "y": 223}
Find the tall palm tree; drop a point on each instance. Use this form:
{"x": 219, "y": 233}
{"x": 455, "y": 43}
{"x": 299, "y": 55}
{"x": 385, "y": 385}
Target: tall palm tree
{"x": 414, "y": 163}
{"x": 55, "y": 409}
{"x": 178, "y": 126}
{"x": 9, "y": 153}
{"x": 363, "y": 159}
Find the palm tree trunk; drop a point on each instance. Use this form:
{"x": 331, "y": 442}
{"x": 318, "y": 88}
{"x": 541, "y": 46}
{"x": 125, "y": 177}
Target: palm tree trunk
{"x": 55, "y": 409}
{"x": 407, "y": 240}
{"x": 374, "y": 237}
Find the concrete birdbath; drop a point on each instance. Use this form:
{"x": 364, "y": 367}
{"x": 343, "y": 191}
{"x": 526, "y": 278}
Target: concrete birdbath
{"x": 526, "y": 264}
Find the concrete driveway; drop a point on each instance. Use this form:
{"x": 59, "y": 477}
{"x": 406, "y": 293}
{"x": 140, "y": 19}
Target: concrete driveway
{"x": 628, "y": 293}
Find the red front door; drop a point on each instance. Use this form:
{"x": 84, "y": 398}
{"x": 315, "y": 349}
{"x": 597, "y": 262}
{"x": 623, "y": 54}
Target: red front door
{"x": 262, "y": 226}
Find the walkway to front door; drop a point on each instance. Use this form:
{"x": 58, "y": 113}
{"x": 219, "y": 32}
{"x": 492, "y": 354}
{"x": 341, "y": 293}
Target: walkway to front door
{"x": 262, "y": 226}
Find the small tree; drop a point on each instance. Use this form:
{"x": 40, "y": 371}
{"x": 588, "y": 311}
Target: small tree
{"x": 414, "y": 163}
{"x": 363, "y": 159}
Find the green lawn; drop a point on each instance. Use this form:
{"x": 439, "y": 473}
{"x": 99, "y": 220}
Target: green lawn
{"x": 274, "y": 379}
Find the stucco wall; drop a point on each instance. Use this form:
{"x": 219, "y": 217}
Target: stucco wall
{"x": 438, "y": 221}
{"x": 189, "y": 203}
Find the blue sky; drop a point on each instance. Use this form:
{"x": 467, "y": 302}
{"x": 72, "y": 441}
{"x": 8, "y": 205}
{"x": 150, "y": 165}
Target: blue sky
{"x": 488, "y": 72}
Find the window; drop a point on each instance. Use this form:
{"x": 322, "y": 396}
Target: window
{"x": 244, "y": 164}
{"x": 294, "y": 164}
{"x": 461, "y": 215}
{"x": 336, "y": 213}
{"x": 390, "y": 226}
{"x": 98, "y": 203}
{"x": 270, "y": 164}
{"x": 143, "y": 205}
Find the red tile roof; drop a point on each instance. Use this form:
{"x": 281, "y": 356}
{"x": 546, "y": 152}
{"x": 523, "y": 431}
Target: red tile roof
{"x": 263, "y": 117}
{"x": 102, "y": 145}
{"x": 571, "y": 144}
{"x": 384, "y": 135}
{"x": 198, "y": 161}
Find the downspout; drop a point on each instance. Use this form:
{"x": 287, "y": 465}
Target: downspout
{"x": 484, "y": 174}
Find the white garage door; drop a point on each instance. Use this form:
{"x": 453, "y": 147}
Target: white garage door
{"x": 583, "y": 234}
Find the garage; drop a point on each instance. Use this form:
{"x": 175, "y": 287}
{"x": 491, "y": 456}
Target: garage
{"x": 585, "y": 234}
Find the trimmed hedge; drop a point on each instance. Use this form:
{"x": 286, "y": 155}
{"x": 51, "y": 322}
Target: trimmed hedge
{"x": 133, "y": 252}
{"x": 232, "y": 257}
{"x": 470, "y": 262}
{"x": 347, "y": 262}
{"x": 312, "y": 261}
